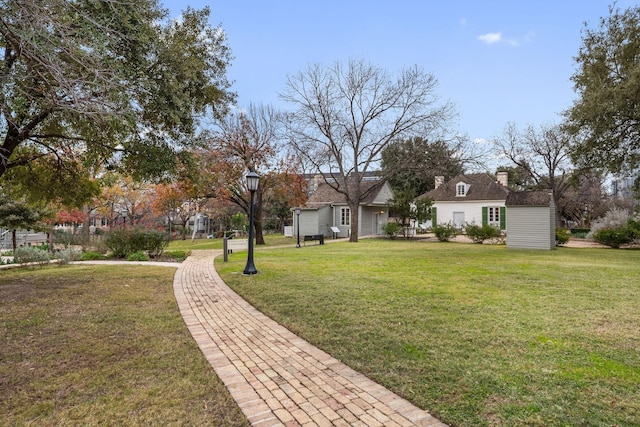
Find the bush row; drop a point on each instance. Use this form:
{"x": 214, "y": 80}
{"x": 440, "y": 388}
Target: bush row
{"x": 40, "y": 255}
{"x": 619, "y": 235}
{"x": 126, "y": 242}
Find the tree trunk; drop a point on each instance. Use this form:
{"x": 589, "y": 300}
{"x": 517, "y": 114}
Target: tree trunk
{"x": 50, "y": 236}
{"x": 353, "y": 208}
{"x": 259, "y": 231}
{"x": 257, "y": 218}
{"x": 14, "y": 241}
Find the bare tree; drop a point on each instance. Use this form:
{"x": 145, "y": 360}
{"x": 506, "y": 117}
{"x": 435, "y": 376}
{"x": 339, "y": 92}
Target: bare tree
{"x": 543, "y": 154}
{"x": 345, "y": 115}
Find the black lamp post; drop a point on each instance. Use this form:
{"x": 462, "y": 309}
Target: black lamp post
{"x": 252, "y": 184}
{"x": 297, "y": 210}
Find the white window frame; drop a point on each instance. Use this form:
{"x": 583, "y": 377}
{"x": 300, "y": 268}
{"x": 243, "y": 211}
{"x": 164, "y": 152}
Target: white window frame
{"x": 461, "y": 189}
{"x": 493, "y": 215}
{"x": 345, "y": 217}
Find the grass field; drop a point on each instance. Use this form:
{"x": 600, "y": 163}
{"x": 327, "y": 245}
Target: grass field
{"x": 96, "y": 345}
{"x": 270, "y": 241}
{"x": 479, "y": 335}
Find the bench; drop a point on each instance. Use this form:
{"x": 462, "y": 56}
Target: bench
{"x": 312, "y": 237}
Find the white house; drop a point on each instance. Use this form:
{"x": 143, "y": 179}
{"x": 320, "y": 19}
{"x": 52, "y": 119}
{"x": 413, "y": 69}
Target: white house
{"x": 473, "y": 198}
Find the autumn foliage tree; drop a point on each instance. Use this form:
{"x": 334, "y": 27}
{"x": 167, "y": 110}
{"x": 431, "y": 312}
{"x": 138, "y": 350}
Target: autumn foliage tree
{"x": 176, "y": 203}
{"x": 248, "y": 141}
{"x": 288, "y": 190}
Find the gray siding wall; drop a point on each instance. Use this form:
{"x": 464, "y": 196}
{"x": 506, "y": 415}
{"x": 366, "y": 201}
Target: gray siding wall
{"x": 344, "y": 230}
{"x": 531, "y": 227}
{"x": 308, "y": 222}
{"x": 552, "y": 223}
{"x": 324, "y": 221}
{"x": 366, "y": 222}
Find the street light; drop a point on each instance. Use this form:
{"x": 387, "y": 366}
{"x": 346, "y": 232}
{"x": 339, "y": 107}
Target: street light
{"x": 297, "y": 210}
{"x": 252, "y": 184}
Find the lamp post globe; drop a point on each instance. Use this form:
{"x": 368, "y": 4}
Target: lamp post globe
{"x": 298, "y": 210}
{"x": 253, "y": 180}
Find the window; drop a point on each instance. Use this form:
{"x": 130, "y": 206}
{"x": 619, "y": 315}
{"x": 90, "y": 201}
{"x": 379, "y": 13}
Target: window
{"x": 345, "y": 216}
{"x": 461, "y": 189}
{"x": 494, "y": 215}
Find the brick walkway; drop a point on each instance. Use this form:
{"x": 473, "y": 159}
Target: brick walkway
{"x": 277, "y": 378}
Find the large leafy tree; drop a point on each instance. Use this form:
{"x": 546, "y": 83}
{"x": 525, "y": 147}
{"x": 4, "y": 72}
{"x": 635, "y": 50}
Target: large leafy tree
{"x": 16, "y": 215}
{"x": 81, "y": 80}
{"x": 345, "y": 115}
{"x": 408, "y": 209}
{"x": 411, "y": 165}
{"x": 607, "y": 81}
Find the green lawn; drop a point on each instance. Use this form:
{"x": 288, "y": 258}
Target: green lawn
{"x": 187, "y": 244}
{"x": 477, "y": 334}
{"x": 96, "y": 345}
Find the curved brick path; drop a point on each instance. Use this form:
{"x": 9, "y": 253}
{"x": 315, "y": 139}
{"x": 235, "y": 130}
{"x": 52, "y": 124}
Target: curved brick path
{"x": 277, "y": 378}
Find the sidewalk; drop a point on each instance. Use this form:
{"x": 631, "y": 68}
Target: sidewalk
{"x": 277, "y": 378}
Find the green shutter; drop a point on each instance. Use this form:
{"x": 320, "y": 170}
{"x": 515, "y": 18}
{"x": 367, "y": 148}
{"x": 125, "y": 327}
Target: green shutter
{"x": 434, "y": 217}
{"x": 485, "y": 215}
{"x": 503, "y": 218}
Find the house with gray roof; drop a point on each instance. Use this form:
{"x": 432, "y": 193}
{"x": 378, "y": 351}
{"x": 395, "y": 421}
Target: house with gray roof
{"x": 472, "y": 198}
{"x": 326, "y": 211}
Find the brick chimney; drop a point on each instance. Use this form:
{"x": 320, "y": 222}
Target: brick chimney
{"x": 503, "y": 178}
{"x": 439, "y": 181}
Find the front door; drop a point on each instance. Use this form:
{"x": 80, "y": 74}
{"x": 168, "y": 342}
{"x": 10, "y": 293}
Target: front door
{"x": 458, "y": 219}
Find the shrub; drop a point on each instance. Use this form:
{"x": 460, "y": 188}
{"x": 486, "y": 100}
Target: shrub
{"x": 28, "y": 254}
{"x": 576, "y": 231}
{"x": 614, "y": 218}
{"x": 445, "y": 232}
{"x": 157, "y": 243}
{"x": 562, "y": 236}
{"x": 92, "y": 256}
{"x": 118, "y": 243}
{"x": 391, "y": 229}
{"x": 138, "y": 256}
{"x": 68, "y": 254}
{"x": 615, "y": 237}
{"x": 126, "y": 242}
{"x": 480, "y": 233}
{"x": 634, "y": 224}
{"x": 68, "y": 239}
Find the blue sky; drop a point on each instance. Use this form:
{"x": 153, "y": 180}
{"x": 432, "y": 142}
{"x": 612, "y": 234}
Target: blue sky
{"x": 497, "y": 61}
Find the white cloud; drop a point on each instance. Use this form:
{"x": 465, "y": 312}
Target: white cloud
{"x": 490, "y": 38}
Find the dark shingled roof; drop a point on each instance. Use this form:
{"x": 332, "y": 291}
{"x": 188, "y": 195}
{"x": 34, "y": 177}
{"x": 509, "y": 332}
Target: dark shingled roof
{"x": 324, "y": 194}
{"x": 481, "y": 187}
{"x": 529, "y": 198}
